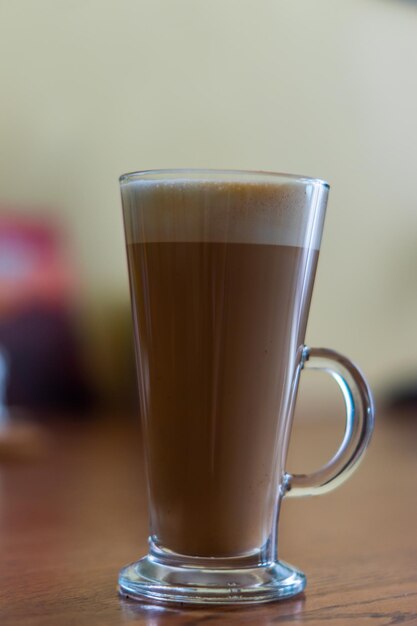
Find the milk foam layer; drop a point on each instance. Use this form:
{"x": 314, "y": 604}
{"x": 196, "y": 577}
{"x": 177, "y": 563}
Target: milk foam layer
{"x": 217, "y": 211}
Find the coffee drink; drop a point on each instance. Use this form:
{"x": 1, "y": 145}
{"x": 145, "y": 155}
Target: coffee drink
{"x": 221, "y": 282}
{"x": 221, "y": 267}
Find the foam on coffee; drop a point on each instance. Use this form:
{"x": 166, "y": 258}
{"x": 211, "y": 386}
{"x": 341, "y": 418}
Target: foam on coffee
{"x": 217, "y": 211}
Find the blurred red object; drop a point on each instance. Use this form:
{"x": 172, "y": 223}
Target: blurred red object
{"x": 33, "y": 267}
{"x": 37, "y": 332}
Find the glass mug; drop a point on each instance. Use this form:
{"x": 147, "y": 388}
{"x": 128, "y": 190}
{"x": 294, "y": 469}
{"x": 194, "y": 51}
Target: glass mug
{"x": 221, "y": 267}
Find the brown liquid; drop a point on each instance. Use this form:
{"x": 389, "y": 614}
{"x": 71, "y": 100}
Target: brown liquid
{"x": 219, "y": 328}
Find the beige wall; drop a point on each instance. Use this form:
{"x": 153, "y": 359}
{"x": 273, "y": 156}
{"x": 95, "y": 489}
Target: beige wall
{"x": 90, "y": 89}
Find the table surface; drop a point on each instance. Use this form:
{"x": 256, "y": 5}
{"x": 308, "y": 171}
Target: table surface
{"x": 72, "y": 517}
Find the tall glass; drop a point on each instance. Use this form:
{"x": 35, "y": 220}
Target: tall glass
{"x": 221, "y": 267}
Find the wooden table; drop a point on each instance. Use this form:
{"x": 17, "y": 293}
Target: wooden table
{"x": 70, "y": 519}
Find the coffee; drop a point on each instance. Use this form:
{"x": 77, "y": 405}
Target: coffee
{"x": 220, "y": 325}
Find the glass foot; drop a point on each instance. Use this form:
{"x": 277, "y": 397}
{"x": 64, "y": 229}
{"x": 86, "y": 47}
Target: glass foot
{"x": 153, "y": 580}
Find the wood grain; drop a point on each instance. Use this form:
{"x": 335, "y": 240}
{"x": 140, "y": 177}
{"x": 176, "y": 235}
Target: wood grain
{"x": 69, "y": 521}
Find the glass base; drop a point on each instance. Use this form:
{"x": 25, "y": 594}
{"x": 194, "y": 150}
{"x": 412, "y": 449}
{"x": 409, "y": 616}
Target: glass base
{"x": 152, "y": 580}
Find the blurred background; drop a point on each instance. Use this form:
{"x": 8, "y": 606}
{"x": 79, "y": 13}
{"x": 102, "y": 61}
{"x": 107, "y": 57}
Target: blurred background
{"x": 94, "y": 88}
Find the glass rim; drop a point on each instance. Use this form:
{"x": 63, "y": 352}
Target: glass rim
{"x": 207, "y": 174}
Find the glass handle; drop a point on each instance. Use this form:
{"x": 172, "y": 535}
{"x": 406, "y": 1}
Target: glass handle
{"x": 359, "y": 424}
